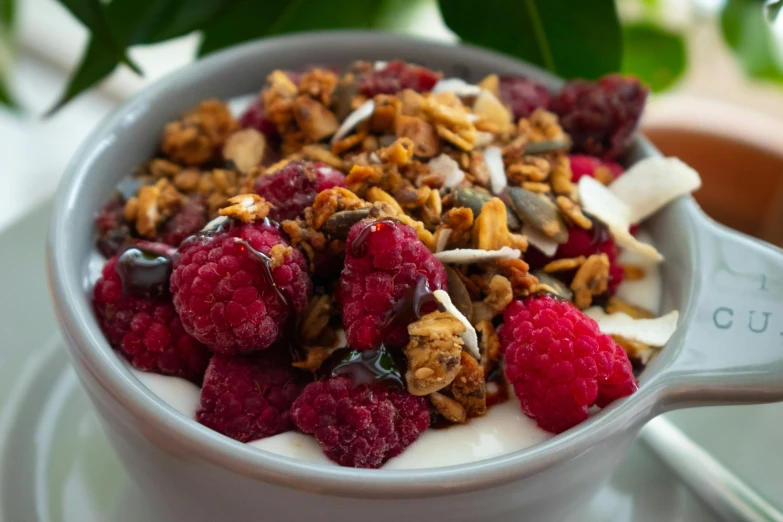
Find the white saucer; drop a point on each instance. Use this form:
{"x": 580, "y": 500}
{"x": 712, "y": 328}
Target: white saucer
{"x": 56, "y": 465}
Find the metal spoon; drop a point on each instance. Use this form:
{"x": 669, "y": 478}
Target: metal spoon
{"x": 728, "y": 496}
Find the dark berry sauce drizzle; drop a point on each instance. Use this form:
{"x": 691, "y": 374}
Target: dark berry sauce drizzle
{"x": 144, "y": 271}
{"x": 380, "y": 366}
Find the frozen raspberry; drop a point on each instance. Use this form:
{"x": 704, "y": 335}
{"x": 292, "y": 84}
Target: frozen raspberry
{"x": 596, "y": 241}
{"x": 293, "y": 188}
{"x": 113, "y": 230}
{"x": 255, "y": 117}
{"x": 559, "y": 363}
{"x": 523, "y": 95}
{"x": 248, "y": 397}
{"x": 384, "y": 264}
{"x": 187, "y": 221}
{"x": 227, "y": 293}
{"x": 136, "y": 314}
{"x": 360, "y": 426}
{"x": 584, "y": 165}
{"x": 397, "y": 76}
{"x": 601, "y": 117}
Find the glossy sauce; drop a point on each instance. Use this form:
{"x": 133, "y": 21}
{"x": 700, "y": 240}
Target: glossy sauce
{"x": 366, "y": 367}
{"x": 144, "y": 271}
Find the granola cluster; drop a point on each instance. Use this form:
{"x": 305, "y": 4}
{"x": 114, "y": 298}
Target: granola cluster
{"x": 490, "y": 194}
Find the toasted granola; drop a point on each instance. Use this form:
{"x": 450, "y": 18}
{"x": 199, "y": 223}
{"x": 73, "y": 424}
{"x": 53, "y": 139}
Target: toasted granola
{"x": 467, "y": 167}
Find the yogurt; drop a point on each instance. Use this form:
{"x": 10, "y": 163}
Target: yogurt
{"x": 504, "y": 429}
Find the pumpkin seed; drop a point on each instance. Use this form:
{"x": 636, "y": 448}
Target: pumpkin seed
{"x": 538, "y": 212}
{"x": 474, "y": 199}
{"x": 339, "y": 223}
{"x": 458, "y": 293}
{"x": 555, "y": 284}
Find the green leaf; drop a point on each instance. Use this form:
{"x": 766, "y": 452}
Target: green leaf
{"x": 571, "y": 39}
{"x": 750, "y": 37}
{"x": 654, "y": 55}
{"x": 91, "y": 14}
{"x": 97, "y": 63}
{"x": 7, "y": 13}
{"x": 250, "y": 19}
{"x": 773, "y": 10}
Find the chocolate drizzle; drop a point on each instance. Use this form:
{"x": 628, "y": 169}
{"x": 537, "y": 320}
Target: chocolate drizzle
{"x": 416, "y": 303}
{"x": 377, "y": 366}
{"x": 144, "y": 271}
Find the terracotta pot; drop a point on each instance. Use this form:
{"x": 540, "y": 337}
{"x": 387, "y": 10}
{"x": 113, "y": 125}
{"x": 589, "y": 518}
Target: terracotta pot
{"x": 739, "y": 155}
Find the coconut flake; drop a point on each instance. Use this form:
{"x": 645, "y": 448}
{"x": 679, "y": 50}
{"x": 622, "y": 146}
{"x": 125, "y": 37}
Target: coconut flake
{"x": 652, "y": 183}
{"x": 493, "y": 157}
{"x": 458, "y": 86}
{"x": 546, "y": 245}
{"x": 653, "y": 332}
{"x": 602, "y": 203}
{"x": 463, "y": 256}
{"x": 443, "y": 239}
{"x": 215, "y": 223}
{"x": 469, "y": 338}
{"x": 364, "y": 112}
{"x": 449, "y": 168}
{"x": 374, "y": 158}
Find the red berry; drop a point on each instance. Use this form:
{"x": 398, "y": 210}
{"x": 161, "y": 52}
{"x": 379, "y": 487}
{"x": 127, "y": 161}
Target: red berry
{"x": 583, "y": 242}
{"x": 584, "y": 165}
{"x": 113, "y": 230}
{"x": 384, "y": 262}
{"x": 143, "y": 326}
{"x": 523, "y": 95}
{"x": 360, "y": 426}
{"x": 293, "y": 188}
{"x": 248, "y": 397}
{"x": 228, "y": 295}
{"x": 397, "y": 76}
{"x": 188, "y": 220}
{"x": 559, "y": 363}
{"x": 254, "y": 117}
{"x": 601, "y": 117}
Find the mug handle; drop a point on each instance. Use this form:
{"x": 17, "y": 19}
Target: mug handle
{"x": 732, "y": 348}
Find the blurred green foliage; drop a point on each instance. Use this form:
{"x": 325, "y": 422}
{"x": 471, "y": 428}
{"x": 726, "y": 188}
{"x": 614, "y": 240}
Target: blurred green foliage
{"x": 583, "y": 38}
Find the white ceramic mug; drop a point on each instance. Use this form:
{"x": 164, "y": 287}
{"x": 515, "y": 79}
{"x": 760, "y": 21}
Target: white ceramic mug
{"x": 728, "y": 349}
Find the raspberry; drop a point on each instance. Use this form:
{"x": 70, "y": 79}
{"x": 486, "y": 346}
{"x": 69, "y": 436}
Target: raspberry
{"x": 113, "y": 230}
{"x": 293, "y": 188}
{"x": 601, "y": 117}
{"x": 227, "y": 293}
{"x": 559, "y": 363}
{"x": 584, "y": 165}
{"x": 139, "y": 319}
{"x": 248, "y": 397}
{"x": 596, "y": 241}
{"x": 395, "y": 77}
{"x": 255, "y": 117}
{"x": 384, "y": 263}
{"x": 360, "y": 426}
{"x": 187, "y": 221}
{"x": 523, "y": 95}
